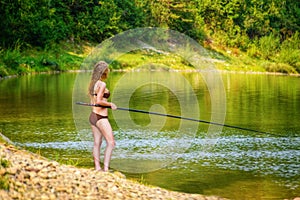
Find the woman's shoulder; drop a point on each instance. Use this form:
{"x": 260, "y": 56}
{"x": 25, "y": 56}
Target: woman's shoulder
{"x": 100, "y": 84}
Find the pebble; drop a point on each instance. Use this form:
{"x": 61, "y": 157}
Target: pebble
{"x": 31, "y": 176}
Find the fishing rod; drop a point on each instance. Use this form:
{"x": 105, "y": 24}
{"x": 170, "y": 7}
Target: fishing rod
{"x": 177, "y": 117}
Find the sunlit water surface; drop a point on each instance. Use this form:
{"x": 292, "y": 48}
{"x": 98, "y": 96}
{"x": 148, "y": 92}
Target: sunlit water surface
{"x": 37, "y": 113}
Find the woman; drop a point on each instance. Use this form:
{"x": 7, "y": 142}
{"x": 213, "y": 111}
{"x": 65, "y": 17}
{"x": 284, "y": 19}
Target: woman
{"x": 99, "y": 115}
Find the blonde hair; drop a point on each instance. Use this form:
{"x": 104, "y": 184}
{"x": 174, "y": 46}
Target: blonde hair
{"x": 99, "y": 73}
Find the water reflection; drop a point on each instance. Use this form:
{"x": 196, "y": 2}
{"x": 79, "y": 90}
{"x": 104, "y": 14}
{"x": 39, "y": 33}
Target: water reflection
{"x": 36, "y": 113}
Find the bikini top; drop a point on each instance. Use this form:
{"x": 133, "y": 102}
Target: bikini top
{"x": 105, "y": 95}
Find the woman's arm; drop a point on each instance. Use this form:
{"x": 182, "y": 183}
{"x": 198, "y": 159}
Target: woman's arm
{"x": 100, "y": 100}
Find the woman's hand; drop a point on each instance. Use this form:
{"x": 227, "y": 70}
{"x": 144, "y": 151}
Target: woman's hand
{"x": 113, "y": 106}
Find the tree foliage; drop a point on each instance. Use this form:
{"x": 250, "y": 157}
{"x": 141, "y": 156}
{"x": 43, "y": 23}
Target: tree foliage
{"x": 266, "y": 28}
{"x": 43, "y": 22}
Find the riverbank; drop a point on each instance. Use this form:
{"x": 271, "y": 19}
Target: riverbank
{"x": 174, "y": 70}
{"x": 68, "y": 56}
{"x": 25, "y": 175}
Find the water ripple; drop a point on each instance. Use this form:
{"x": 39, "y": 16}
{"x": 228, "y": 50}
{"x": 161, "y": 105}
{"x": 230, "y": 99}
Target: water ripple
{"x": 270, "y": 155}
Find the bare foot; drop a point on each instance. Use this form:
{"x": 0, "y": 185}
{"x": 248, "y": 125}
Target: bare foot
{"x": 99, "y": 170}
{"x": 106, "y": 169}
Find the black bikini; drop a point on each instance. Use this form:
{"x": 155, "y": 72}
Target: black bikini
{"x": 94, "y": 117}
{"x": 105, "y": 95}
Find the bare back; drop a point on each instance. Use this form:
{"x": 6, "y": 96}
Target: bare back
{"x": 99, "y": 97}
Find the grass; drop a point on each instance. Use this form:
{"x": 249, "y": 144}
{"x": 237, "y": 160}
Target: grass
{"x": 58, "y": 158}
{"x": 147, "y": 59}
{"x": 142, "y": 180}
{"x": 69, "y": 56}
{"x": 4, "y": 163}
{"x": 251, "y": 61}
{"x": 4, "y": 182}
{"x": 58, "y": 57}
{"x": 73, "y": 162}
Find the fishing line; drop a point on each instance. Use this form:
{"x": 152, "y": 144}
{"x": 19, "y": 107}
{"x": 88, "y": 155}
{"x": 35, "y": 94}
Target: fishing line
{"x": 180, "y": 117}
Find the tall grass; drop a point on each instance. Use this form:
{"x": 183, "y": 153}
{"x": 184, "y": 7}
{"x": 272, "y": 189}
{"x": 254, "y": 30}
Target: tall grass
{"x": 277, "y": 56}
{"x": 58, "y": 57}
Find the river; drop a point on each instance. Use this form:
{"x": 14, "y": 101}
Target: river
{"x": 38, "y": 113}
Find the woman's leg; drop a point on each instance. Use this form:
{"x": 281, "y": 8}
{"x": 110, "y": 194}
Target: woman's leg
{"x": 97, "y": 145}
{"x": 106, "y": 130}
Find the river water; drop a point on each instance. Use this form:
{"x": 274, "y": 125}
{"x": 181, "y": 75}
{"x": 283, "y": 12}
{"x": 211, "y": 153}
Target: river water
{"x": 39, "y": 113}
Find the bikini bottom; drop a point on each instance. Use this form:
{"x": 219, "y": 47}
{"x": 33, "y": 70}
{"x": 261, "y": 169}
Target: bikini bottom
{"x": 94, "y": 117}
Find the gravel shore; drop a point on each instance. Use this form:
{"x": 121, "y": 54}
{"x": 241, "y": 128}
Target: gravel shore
{"x": 25, "y": 175}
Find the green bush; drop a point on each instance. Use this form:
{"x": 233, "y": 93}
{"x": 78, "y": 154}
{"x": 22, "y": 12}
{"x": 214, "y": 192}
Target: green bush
{"x": 253, "y": 51}
{"x": 289, "y": 56}
{"x": 10, "y": 60}
{"x": 268, "y": 46}
{"x": 290, "y": 51}
{"x": 297, "y": 67}
{"x": 3, "y": 71}
{"x": 279, "y": 67}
